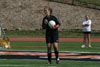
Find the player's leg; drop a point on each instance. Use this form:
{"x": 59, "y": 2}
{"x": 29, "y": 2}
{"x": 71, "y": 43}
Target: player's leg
{"x": 84, "y": 40}
{"x": 48, "y": 41}
{"x": 49, "y": 52}
{"x": 89, "y": 40}
{"x": 55, "y": 45}
{"x": 56, "y": 51}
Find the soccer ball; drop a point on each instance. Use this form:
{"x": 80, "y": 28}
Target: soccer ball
{"x": 6, "y": 46}
{"x": 51, "y": 24}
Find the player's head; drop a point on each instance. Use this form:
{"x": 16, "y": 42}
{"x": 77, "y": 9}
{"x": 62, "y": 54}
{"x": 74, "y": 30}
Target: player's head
{"x": 87, "y": 17}
{"x": 47, "y": 11}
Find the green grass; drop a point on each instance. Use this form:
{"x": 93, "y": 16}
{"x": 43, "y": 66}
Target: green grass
{"x": 41, "y": 33}
{"x": 42, "y": 63}
{"x": 63, "y": 46}
{"x": 94, "y": 2}
{"x": 25, "y": 33}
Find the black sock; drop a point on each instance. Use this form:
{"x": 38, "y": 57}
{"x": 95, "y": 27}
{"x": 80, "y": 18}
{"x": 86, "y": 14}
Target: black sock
{"x": 56, "y": 54}
{"x": 49, "y": 57}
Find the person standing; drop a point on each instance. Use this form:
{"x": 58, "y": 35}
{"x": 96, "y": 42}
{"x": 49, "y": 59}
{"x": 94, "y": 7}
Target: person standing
{"x": 86, "y": 32}
{"x": 51, "y": 34}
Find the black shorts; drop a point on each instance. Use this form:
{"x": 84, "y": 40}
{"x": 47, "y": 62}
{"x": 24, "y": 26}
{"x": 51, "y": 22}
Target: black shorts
{"x": 87, "y": 32}
{"x": 51, "y": 38}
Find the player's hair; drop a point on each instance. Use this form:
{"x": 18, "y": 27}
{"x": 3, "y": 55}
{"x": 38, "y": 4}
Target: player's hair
{"x": 86, "y": 15}
{"x": 50, "y": 9}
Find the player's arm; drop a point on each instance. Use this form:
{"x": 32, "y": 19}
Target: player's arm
{"x": 43, "y": 24}
{"x": 56, "y": 26}
{"x": 85, "y": 25}
{"x": 57, "y": 23}
{"x": 88, "y": 24}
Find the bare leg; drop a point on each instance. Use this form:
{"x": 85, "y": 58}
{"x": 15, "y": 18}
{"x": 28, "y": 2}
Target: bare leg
{"x": 56, "y": 46}
{"x": 84, "y": 39}
{"x": 89, "y": 41}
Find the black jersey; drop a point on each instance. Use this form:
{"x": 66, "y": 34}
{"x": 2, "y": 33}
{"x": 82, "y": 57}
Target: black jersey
{"x": 45, "y": 23}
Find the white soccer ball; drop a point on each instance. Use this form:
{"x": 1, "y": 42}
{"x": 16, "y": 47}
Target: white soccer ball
{"x": 51, "y": 24}
{"x": 6, "y": 46}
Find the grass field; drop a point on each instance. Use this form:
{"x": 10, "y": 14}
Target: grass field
{"x": 41, "y": 33}
{"x": 63, "y": 46}
{"x": 94, "y": 2}
{"x": 67, "y": 46}
{"x": 42, "y": 63}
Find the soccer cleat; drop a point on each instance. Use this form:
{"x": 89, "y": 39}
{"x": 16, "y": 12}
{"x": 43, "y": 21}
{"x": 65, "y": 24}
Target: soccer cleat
{"x": 83, "y": 46}
{"x": 48, "y": 62}
{"x": 57, "y": 61}
{"x": 89, "y": 46}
